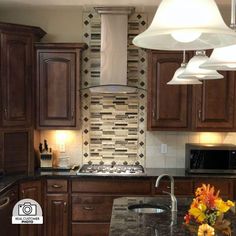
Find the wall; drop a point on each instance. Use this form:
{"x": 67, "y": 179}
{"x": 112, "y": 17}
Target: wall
{"x": 61, "y": 25}
{"x": 65, "y": 25}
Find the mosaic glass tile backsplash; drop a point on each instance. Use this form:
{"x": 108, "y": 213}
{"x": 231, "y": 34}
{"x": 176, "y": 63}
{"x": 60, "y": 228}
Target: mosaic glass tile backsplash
{"x": 113, "y": 125}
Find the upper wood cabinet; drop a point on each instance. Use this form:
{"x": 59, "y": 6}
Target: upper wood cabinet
{"x": 17, "y": 73}
{"x": 58, "y": 84}
{"x": 206, "y": 107}
{"x": 167, "y": 104}
{"x": 213, "y": 104}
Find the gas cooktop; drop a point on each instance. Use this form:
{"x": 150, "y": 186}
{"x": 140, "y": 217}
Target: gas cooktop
{"x": 104, "y": 169}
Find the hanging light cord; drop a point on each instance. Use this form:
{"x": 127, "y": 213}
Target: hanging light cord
{"x": 233, "y": 24}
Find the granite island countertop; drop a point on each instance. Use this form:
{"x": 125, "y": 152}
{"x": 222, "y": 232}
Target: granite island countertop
{"x": 125, "y": 222}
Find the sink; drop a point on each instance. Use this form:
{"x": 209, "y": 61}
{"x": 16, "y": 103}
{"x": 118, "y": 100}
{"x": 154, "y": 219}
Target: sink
{"x": 148, "y": 208}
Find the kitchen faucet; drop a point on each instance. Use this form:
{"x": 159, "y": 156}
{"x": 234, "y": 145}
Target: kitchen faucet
{"x": 173, "y": 198}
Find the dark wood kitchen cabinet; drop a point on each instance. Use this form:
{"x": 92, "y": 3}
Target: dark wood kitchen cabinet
{"x": 213, "y": 104}
{"x": 168, "y": 105}
{"x": 182, "y": 187}
{"x": 226, "y": 186}
{"x": 17, "y": 151}
{"x": 58, "y": 84}
{"x": 32, "y": 190}
{"x": 92, "y": 201}
{"x": 7, "y": 202}
{"x": 17, "y": 96}
{"x": 57, "y": 208}
{"x": 17, "y": 73}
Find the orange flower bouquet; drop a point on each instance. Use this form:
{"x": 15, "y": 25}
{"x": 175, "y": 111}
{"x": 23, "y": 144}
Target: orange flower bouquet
{"x": 206, "y": 213}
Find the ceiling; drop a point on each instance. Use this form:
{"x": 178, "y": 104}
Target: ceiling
{"x": 46, "y": 3}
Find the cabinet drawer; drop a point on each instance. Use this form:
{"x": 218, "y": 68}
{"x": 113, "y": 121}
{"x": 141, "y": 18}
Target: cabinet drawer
{"x": 87, "y": 229}
{"x": 182, "y": 187}
{"x": 225, "y": 186}
{"x": 57, "y": 185}
{"x": 118, "y": 186}
{"x": 92, "y": 208}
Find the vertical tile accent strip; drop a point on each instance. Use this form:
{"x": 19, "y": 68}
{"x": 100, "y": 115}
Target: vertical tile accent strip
{"x": 114, "y": 125}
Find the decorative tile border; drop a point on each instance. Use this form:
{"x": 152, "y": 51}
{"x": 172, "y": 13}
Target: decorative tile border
{"x": 110, "y": 133}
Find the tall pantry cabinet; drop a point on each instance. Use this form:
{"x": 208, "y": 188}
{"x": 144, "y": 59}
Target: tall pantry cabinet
{"x": 17, "y": 96}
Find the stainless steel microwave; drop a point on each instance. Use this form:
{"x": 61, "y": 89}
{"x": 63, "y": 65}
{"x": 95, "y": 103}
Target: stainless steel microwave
{"x": 210, "y": 158}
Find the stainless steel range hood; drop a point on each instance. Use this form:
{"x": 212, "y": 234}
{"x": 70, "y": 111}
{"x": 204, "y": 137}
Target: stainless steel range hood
{"x": 114, "y": 36}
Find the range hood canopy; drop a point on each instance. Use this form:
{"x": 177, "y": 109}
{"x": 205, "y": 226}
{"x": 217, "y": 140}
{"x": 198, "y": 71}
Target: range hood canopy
{"x": 114, "y": 37}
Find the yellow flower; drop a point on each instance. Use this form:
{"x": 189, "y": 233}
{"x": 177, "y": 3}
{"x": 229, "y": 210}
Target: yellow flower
{"x": 205, "y": 230}
{"x": 223, "y": 206}
{"x": 230, "y": 203}
{"x": 197, "y": 214}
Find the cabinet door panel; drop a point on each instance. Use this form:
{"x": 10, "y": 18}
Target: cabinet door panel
{"x": 167, "y": 104}
{"x": 16, "y": 80}
{"x": 31, "y": 190}
{"x": 57, "y": 89}
{"x": 57, "y": 215}
{"x": 92, "y": 208}
{"x": 214, "y": 103}
{"x": 16, "y": 151}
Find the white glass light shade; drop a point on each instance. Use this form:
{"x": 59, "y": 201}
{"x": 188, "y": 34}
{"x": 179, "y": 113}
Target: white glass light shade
{"x": 222, "y": 59}
{"x": 196, "y": 24}
{"x": 179, "y": 81}
{"x": 194, "y": 72}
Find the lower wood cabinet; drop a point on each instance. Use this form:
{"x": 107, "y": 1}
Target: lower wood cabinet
{"x": 7, "y": 202}
{"x": 33, "y": 190}
{"x": 57, "y": 215}
{"x": 92, "y": 208}
{"x": 183, "y": 187}
{"x": 90, "y": 229}
{"x": 83, "y": 206}
{"x": 226, "y": 186}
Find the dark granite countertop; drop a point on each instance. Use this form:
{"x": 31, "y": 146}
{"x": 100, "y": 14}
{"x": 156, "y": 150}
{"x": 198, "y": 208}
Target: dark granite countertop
{"x": 7, "y": 181}
{"x": 124, "y": 222}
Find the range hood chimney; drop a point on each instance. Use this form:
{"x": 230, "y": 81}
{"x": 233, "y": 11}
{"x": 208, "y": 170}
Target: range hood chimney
{"x": 114, "y": 34}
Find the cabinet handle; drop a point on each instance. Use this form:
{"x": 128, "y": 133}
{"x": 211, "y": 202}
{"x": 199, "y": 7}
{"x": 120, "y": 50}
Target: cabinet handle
{"x": 56, "y": 186}
{"x": 89, "y": 208}
{"x": 199, "y": 114}
{"x": 65, "y": 207}
{"x": 72, "y": 114}
{"x": 6, "y": 201}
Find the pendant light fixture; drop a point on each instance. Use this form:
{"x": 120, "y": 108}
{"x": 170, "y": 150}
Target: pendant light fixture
{"x": 224, "y": 58}
{"x": 186, "y": 25}
{"x": 180, "y": 81}
{"x": 194, "y": 72}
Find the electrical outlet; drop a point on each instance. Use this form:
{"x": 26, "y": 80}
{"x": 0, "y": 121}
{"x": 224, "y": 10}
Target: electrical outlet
{"x": 164, "y": 148}
{"x": 62, "y": 147}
